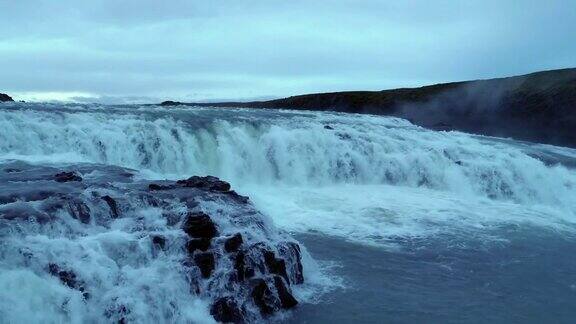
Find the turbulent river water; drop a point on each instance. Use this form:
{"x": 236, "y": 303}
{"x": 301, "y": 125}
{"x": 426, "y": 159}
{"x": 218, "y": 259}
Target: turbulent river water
{"x": 408, "y": 224}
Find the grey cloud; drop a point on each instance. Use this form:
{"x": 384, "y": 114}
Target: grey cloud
{"x": 241, "y": 49}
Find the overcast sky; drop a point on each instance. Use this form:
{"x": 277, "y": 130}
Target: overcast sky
{"x": 150, "y": 50}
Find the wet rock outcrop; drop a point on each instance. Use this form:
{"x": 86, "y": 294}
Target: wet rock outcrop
{"x": 67, "y": 176}
{"x": 68, "y": 278}
{"x": 102, "y": 234}
{"x": 5, "y": 97}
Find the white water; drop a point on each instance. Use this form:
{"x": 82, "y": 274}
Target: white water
{"x": 366, "y": 179}
{"x": 369, "y": 179}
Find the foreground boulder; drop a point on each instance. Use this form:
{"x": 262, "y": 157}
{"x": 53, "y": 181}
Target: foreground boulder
{"x": 104, "y": 233}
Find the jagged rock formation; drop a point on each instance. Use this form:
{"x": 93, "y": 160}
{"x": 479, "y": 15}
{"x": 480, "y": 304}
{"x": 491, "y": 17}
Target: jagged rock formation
{"x": 5, "y": 97}
{"x": 99, "y": 225}
{"x": 539, "y": 107}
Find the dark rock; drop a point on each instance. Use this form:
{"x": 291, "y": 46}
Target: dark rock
{"x": 155, "y": 186}
{"x": 275, "y": 265}
{"x": 293, "y": 251}
{"x": 242, "y": 271}
{"x": 170, "y": 103}
{"x": 160, "y": 241}
{"x": 4, "y": 97}
{"x": 286, "y": 298}
{"x": 328, "y": 127}
{"x": 226, "y": 310}
{"x": 206, "y": 263}
{"x": 79, "y": 210}
{"x": 67, "y": 176}
{"x": 263, "y": 297}
{"x": 68, "y": 278}
{"x": 112, "y": 204}
{"x": 239, "y": 265}
{"x": 202, "y": 244}
{"x": 205, "y": 183}
{"x": 239, "y": 198}
{"x": 199, "y": 225}
{"x": 249, "y": 272}
{"x": 232, "y": 244}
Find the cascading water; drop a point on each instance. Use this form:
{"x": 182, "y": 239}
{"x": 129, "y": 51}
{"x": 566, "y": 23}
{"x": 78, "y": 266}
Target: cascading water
{"x": 311, "y": 149}
{"x": 371, "y": 180}
{"x": 278, "y": 149}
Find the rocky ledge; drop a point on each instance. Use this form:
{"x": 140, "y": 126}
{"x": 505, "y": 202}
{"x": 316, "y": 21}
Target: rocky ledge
{"x": 5, "y": 97}
{"x": 97, "y": 226}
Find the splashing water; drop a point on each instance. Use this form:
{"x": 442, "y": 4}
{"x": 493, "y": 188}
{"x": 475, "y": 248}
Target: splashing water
{"x": 384, "y": 168}
{"x": 364, "y": 178}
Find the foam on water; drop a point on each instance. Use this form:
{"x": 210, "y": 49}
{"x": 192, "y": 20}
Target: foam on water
{"x": 289, "y": 149}
{"x": 379, "y": 214}
{"x": 118, "y": 264}
{"x": 364, "y": 178}
{"x": 270, "y": 149}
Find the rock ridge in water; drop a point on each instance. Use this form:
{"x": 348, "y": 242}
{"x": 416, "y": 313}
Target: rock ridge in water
{"x": 5, "y": 97}
{"x": 97, "y": 225}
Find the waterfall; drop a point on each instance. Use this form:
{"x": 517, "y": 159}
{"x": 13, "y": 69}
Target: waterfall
{"x": 311, "y": 149}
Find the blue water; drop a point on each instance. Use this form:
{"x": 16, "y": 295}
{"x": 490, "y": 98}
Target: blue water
{"x": 529, "y": 278}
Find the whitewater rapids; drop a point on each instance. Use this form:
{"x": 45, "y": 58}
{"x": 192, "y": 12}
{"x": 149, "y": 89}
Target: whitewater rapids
{"x": 366, "y": 179}
{"x": 358, "y": 176}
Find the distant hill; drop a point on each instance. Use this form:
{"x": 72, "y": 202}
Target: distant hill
{"x": 5, "y": 97}
{"x": 539, "y": 107}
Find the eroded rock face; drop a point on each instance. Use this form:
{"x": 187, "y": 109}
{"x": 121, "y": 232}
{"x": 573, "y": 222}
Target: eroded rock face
{"x": 103, "y": 225}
